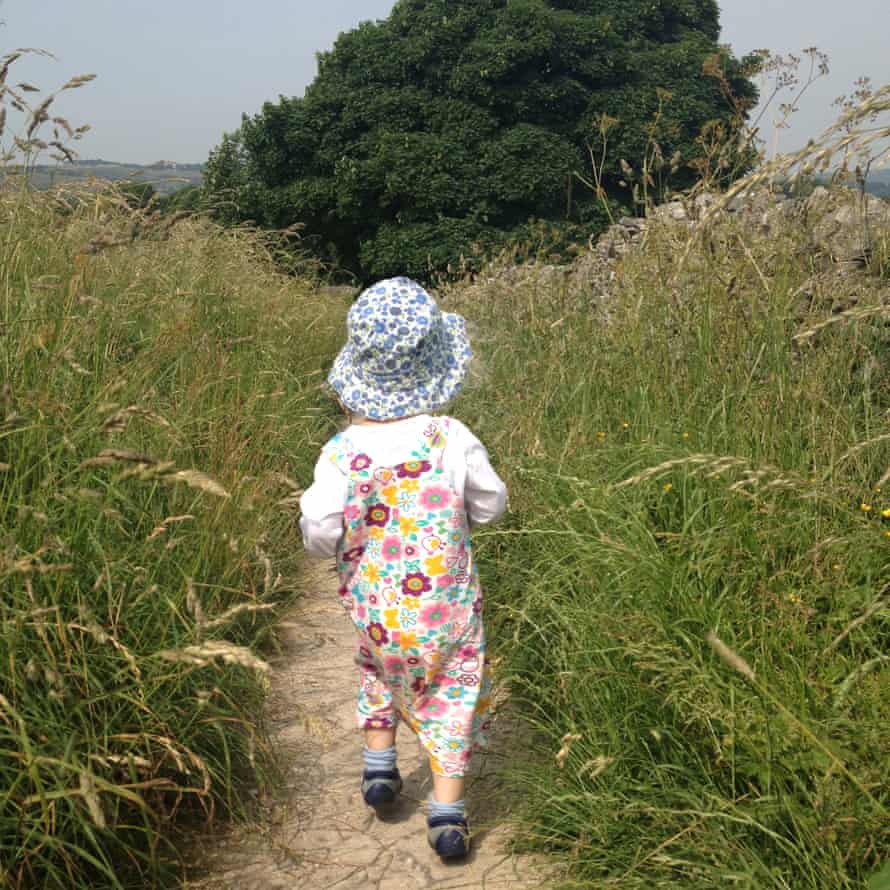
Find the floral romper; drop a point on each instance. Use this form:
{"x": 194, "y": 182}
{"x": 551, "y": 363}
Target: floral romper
{"x": 410, "y": 586}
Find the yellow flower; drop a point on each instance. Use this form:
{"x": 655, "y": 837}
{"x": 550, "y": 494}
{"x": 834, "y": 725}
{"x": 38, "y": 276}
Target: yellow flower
{"x": 391, "y": 496}
{"x": 601, "y": 436}
{"x": 410, "y": 485}
{"x": 685, "y": 435}
{"x": 391, "y": 618}
{"x": 668, "y": 488}
{"x": 625, "y": 425}
{"x": 376, "y": 532}
{"x": 411, "y": 602}
{"x": 794, "y": 598}
{"x": 866, "y": 508}
{"x": 887, "y": 534}
{"x": 407, "y": 639}
{"x": 885, "y": 514}
{"x": 369, "y": 570}
{"x": 407, "y": 526}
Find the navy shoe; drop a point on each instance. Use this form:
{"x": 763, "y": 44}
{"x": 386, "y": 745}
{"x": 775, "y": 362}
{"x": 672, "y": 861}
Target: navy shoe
{"x": 448, "y": 836}
{"x": 381, "y": 788}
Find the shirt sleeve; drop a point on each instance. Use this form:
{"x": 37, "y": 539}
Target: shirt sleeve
{"x": 485, "y": 494}
{"x": 321, "y": 506}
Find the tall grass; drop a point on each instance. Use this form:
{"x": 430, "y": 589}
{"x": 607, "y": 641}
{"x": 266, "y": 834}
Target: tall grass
{"x": 691, "y": 601}
{"x": 159, "y": 395}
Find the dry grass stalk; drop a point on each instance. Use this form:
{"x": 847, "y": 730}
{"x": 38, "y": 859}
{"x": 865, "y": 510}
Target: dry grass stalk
{"x": 197, "y": 479}
{"x": 109, "y": 456}
{"x": 119, "y": 421}
{"x": 881, "y": 602}
{"x": 229, "y": 614}
{"x": 100, "y": 635}
{"x": 567, "y": 741}
{"x": 861, "y": 446}
{"x": 207, "y": 653}
{"x": 857, "y": 314}
{"x": 91, "y": 798}
{"x": 733, "y": 659}
{"x": 170, "y": 520}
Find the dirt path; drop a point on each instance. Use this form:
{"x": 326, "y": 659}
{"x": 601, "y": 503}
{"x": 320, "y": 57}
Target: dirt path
{"x": 323, "y": 836}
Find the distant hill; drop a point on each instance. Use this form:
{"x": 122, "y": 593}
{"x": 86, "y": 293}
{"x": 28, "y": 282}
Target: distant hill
{"x": 877, "y": 183}
{"x": 166, "y": 176}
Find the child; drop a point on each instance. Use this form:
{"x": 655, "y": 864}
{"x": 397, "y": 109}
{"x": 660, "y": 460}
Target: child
{"x": 394, "y": 497}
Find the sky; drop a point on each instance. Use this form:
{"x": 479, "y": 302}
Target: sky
{"x": 174, "y": 76}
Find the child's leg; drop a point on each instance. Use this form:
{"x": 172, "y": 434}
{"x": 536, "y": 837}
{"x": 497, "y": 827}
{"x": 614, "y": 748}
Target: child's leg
{"x": 447, "y": 827}
{"x": 381, "y": 782}
{"x": 447, "y": 789}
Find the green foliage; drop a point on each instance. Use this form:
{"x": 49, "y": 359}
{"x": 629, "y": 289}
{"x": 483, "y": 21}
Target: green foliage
{"x": 189, "y": 199}
{"x": 679, "y": 463}
{"x": 153, "y": 400}
{"x": 138, "y": 195}
{"x": 434, "y": 134}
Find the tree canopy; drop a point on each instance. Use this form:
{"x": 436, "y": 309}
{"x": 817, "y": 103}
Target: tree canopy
{"x": 452, "y": 124}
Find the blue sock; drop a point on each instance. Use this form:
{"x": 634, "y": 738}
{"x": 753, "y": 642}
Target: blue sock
{"x": 380, "y": 761}
{"x": 457, "y": 810}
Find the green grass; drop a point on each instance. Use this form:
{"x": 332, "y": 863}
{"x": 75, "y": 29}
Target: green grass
{"x": 680, "y": 460}
{"x": 177, "y": 350}
{"x": 680, "y": 464}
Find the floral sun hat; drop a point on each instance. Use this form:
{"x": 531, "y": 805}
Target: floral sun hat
{"x": 403, "y": 356}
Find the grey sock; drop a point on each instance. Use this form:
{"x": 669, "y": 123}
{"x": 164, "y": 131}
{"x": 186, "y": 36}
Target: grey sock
{"x": 456, "y": 810}
{"x": 380, "y": 761}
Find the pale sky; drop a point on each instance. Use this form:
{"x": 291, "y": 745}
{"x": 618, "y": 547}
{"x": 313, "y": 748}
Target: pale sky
{"x": 173, "y": 76}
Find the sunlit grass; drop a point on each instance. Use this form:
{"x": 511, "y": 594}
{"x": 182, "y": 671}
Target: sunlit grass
{"x": 692, "y": 457}
{"x": 160, "y": 394}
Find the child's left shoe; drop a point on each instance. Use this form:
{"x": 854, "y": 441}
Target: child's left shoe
{"x": 449, "y": 836}
{"x": 381, "y": 788}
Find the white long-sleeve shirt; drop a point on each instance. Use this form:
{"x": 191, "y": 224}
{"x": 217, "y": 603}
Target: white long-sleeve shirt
{"x": 464, "y": 459}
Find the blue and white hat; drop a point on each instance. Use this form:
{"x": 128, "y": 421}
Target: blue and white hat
{"x": 403, "y": 356}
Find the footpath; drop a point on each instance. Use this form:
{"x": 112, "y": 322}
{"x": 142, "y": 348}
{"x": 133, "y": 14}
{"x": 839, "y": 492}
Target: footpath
{"x": 319, "y": 835}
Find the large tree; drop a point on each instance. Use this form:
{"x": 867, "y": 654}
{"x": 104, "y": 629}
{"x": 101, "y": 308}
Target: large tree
{"x": 453, "y": 123}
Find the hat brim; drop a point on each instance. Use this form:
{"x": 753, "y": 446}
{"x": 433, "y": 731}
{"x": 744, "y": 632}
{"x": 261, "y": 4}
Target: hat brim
{"x": 392, "y": 398}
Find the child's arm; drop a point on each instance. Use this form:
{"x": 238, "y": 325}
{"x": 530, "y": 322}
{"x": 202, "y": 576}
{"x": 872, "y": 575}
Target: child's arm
{"x": 485, "y": 495}
{"x": 322, "y": 509}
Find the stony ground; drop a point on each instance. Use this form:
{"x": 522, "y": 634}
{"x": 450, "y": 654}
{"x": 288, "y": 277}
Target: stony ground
{"x": 320, "y": 834}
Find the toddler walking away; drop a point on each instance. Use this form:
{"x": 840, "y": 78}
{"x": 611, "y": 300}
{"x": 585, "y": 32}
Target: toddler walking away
{"x": 393, "y": 498}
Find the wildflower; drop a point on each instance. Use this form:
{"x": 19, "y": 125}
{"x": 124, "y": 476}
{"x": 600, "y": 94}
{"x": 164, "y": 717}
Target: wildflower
{"x": 625, "y": 425}
{"x": 887, "y": 535}
{"x": 601, "y": 436}
{"x": 794, "y": 598}
{"x": 885, "y": 514}
{"x": 685, "y": 435}
{"x": 668, "y": 488}
{"x": 866, "y": 508}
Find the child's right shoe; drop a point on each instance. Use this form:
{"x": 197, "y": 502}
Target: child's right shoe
{"x": 449, "y": 836}
{"x": 380, "y": 788}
